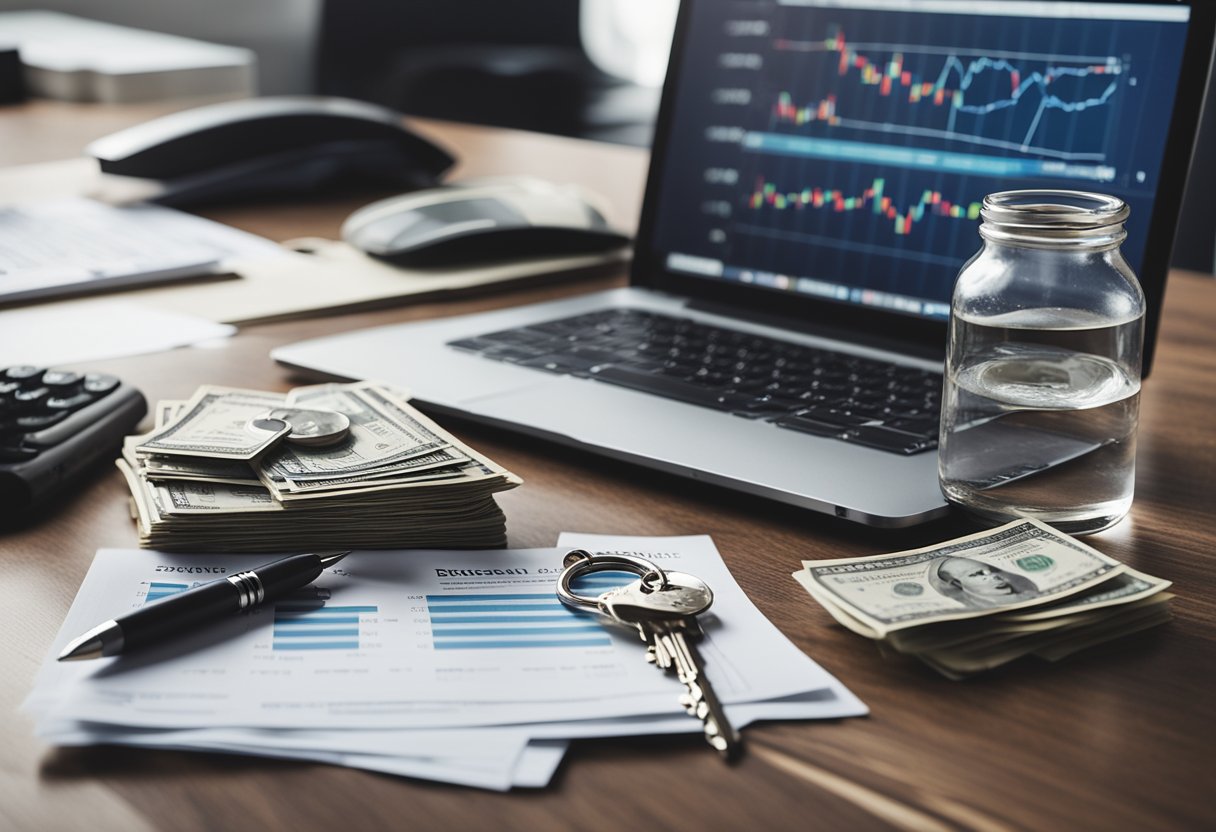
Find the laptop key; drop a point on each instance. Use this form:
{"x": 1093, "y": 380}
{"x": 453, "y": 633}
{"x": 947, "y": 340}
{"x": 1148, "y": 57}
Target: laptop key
{"x": 471, "y": 344}
{"x": 885, "y": 439}
{"x": 513, "y": 354}
{"x": 835, "y": 416}
{"x": 808, "y": 425}
{"x": 577, "y": 361}
{"x": 923, "y": 426}
{"x": 668, "y": 388}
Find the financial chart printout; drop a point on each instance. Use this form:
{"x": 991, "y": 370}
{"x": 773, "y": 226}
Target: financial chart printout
{"x": 842, "y": 148}
{"x": 408, "y": 639}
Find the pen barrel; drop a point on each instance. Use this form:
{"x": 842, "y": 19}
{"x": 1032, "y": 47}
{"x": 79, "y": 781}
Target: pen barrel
{"x": 287, "y": 575}
{"x": 178, "y": 614}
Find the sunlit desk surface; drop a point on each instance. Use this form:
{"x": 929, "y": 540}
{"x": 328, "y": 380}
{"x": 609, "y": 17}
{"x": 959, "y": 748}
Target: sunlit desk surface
{"x": 1120, "y": 737}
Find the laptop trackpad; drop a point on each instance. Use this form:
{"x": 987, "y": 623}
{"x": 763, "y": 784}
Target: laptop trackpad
{"x": 587, "y": 411}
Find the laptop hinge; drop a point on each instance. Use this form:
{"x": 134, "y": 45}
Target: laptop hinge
{"x": 917, "y": 349}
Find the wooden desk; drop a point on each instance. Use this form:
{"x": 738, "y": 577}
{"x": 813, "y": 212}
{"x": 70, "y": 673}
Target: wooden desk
{"x": 1115, "y": 738}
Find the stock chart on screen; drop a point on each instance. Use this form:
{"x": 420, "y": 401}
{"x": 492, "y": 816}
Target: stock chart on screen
{"x": 842, "y": 148}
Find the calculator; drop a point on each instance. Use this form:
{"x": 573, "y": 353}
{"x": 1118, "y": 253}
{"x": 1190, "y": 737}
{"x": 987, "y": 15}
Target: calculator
{"x": 55, "y": 425}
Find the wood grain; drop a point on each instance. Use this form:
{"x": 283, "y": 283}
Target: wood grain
{"x": 1119, "y": 737}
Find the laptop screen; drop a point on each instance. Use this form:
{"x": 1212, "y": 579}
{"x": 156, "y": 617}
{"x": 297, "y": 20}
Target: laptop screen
{"x": 840, "y": 149}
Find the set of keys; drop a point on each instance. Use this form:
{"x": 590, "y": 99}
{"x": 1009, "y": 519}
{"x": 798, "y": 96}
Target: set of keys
{"x": 662, "y": 606}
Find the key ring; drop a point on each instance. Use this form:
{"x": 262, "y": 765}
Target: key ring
{"x": 579, "y": 562}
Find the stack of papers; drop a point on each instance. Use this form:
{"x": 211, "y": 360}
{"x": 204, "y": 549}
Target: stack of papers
{"x": 454, "y": 666}
{"x": 61, "y": 247}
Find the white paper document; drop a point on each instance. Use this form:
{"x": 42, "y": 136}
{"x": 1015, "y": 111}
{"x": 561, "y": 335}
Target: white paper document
{"x": 63, "y": 335}
{"x": 417, "y": 661}
{"x": 69, "y": 246}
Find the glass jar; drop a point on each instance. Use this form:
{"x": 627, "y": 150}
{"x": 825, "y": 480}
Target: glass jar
{"x": 1042, "y": 386}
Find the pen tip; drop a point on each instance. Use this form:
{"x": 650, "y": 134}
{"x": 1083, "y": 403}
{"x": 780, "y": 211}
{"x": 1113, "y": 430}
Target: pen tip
{"x": 83, "y": 648}
{"x": 328, "y": 559}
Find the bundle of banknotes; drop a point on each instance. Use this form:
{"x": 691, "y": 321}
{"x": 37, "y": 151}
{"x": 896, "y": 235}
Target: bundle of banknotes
{"x": 359, "y": 468}
{"x": 978, "y": 602}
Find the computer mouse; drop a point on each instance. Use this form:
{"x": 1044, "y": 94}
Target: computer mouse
{"x": 258, "y": 147}
{"x": 482, "y": 220}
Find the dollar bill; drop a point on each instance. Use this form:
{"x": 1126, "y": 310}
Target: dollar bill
{"x": 215, "y": 423}
{"x": 1021, "y": 564}
{"x": 1122, "y": 589}
{"x": 311, "y": 395}
{"x": 211, "y": 498}
{"x": 382, "y": 433}
{"x": 166, "y": 411}
{"x": 198, "y": 469}
{"x": 1055, "y": 642}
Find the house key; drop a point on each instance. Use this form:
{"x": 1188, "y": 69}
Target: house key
{"x": 663, "y": 608}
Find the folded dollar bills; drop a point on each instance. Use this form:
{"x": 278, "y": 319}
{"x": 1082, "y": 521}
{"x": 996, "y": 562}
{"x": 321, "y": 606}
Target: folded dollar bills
{"x": 206, "y": 478}
{"x": 978, "y": 602}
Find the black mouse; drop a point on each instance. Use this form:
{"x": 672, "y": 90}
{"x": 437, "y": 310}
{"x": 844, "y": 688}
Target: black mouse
{"x": 272, "y": 146}
{"x": 483, "y": 220}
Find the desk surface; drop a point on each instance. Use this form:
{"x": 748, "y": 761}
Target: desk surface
{"x": 1114, "y": 738}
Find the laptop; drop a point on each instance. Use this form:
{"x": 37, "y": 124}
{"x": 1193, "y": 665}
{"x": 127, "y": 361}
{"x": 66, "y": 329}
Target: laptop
{"x": 815, "y": 185}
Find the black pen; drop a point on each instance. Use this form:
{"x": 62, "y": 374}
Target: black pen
{"x": 198, "y": 606}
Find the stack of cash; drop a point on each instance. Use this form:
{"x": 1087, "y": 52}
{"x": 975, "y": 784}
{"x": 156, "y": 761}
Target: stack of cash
{"x": 227, "y": 471}
{"x": 976, "y": 603}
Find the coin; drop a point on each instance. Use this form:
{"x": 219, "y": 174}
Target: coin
{"x": 312, "y": 428}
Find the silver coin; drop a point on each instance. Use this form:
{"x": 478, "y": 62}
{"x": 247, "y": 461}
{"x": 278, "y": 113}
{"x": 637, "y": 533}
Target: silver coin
{"x": 312, "y": 428}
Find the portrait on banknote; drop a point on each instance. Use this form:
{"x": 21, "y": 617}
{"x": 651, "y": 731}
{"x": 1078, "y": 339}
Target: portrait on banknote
{"x": 978, "y": 585}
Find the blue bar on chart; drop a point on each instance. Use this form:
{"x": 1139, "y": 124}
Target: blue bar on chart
{"x": 159, "y": 589}
{"x": 496, "y": 621}
{"x": 312, "y": 625}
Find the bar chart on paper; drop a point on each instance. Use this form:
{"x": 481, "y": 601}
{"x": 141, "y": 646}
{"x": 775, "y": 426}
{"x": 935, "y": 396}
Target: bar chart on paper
{"x": 155, "y": 590}
{"x": 302, "y": 621}
{"x": 498, "y": 621}
{"x": 313, "y": 624}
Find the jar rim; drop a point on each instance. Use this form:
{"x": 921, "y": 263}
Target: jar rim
{"x": 1054, "y": 209}
{"x": 1054, "y": 219}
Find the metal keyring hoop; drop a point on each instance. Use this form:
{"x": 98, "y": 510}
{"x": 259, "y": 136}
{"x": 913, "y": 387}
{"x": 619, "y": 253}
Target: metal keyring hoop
{"x": 579, "y": 562}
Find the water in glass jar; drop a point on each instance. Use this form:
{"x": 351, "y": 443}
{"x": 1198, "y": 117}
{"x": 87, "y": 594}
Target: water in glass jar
{"x": 1038, "y": 421}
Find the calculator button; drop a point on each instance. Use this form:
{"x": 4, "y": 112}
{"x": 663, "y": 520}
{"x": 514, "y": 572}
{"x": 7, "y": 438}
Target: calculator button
{"x": 16, "y": 454}
{"x": 44, "y": 420}
{"x": 60, "y": 381}
{"x": 99, "y": 383}
{"x": 68, "y": 403}
{"x": 7, "y": 388}
{"x": 26, "y": 374}
{"x": 30, "y": 399}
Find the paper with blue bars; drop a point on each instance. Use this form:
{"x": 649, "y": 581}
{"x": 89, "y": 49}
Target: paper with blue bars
{"x": 461, "y": 666}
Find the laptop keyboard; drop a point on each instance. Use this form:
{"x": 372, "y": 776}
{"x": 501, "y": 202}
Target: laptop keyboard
{"x": 859, "y": 400}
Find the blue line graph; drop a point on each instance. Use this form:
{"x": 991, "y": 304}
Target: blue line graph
{"x": 1040, "y": 80}
{"x": 1063, "y": 83}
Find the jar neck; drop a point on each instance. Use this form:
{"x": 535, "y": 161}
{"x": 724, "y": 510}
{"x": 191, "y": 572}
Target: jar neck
{"x": 1054, "y": 220}
{"x": 1101, "y": 238}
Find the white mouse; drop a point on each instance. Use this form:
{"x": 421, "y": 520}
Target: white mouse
{"x": 497, "y": 218}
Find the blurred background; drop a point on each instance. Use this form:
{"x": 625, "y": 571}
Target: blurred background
{"x": 586, "y": 68}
